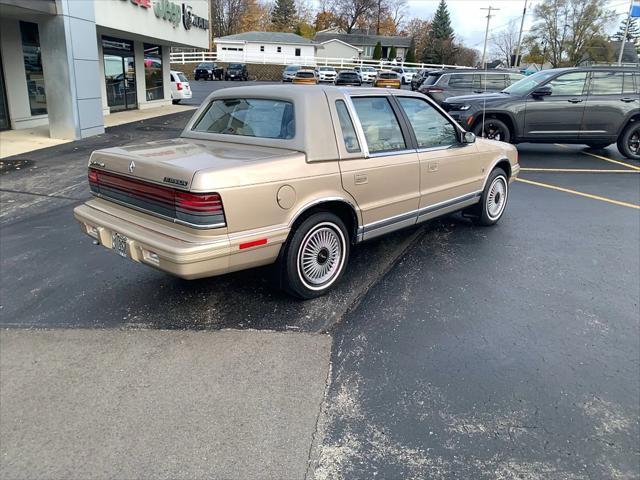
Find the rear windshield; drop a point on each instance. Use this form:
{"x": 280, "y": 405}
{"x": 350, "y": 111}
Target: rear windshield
{"x": 302, "y": 74}
{"x": 248, "y": 117}
{"x": 292, "y": 68}
{"x": 348, "y": 74}
{"x": 326, "y": 69}
{"x": 388, "y": 75}
{"x": 181, "y": 77}
{"x": 367, "y": 69}
{"x": 205, "y": 65}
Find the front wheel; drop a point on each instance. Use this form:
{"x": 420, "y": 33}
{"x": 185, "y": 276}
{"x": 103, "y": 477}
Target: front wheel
{"x": 629, "y": 141}
{"x": 316, "y": 256}
{"x": 494, "y": 129}
{"x": 494, "y": 199}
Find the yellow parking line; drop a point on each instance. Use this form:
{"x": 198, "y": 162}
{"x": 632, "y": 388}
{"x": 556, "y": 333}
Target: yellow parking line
{"x": 612, "y": 161}
{"x": 575, "y": 170}
{"x": 581, "y": 194}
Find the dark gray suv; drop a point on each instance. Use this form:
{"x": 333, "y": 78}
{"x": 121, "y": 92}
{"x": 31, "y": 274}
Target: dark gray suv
{"x": 596, "y": 106}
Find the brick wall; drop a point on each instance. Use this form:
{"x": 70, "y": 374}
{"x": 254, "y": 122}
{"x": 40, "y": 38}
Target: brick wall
{"x": 256, "y": 71}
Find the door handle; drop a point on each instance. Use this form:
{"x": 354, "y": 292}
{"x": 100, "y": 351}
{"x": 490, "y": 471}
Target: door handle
{"x": 575, "y": 100}
{"x": 628, "y": 99}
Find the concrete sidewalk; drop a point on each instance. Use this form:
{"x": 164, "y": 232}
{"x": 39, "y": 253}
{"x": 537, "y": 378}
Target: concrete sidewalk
{"x": 19, "y": 142}
{"x": 80, "y": 404}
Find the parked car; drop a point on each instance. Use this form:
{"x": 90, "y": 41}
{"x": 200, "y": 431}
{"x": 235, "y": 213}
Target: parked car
{"x": 348, "y": 77}
{"x": 418, "y": 78}
{"x": 236, "y": 71}
{"x": 208, "y": 71}
{"x": 448, "y": 83}
{"x": 305, "y": 77}
{"x": 596, "y": 106}
{"x": 180, "y": 88}
{"x": 289, "y": 72}
{"x": 406, "y": 74}
{"x": 367, "y": 74}
{"x": 326, "y": 74}
{"x": 387, "y": 79}
{"x": 293, "y": 176}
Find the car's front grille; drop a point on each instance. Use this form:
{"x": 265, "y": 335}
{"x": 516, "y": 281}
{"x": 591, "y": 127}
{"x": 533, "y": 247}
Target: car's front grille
{"x": 202, "y": 210}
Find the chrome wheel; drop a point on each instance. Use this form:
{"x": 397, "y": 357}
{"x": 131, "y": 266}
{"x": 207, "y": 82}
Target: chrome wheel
{"x": 321, "y": 256}
{"x": 497, "y": 197}
{"x": 634, "y": 142}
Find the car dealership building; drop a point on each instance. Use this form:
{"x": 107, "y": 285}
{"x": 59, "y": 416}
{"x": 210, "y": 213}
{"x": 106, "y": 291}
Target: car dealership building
{"x": 67, "y": 63}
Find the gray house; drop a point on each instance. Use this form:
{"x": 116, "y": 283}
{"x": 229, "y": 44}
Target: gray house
{"x": 366, "y": 43}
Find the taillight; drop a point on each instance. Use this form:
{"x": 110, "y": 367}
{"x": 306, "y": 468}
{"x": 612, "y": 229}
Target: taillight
{"x": 198, "y": 202}
{"x": 179, "y": 85}
{"x": 93, "y": 176}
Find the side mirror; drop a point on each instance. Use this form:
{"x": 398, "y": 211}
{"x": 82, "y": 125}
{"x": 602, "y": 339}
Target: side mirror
{"x": 544, "y": 91}
{"x": 468, "y": 137}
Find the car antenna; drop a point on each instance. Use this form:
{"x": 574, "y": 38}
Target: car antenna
{"x": 485, "y": 65}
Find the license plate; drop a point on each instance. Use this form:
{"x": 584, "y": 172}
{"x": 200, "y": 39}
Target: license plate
{"x": 119, "y": 243}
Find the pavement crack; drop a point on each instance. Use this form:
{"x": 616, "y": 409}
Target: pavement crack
{"x": 317, "y": 435}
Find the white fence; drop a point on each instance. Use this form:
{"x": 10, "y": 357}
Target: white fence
{"x": 243, "y": 57}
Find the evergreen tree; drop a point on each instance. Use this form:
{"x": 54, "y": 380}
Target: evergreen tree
{"x": 633, "y": 34}
{"x": 393, "y": 53}
{"x": 377, "y": 51}
{"x": 411, "y": 53}
{"x": 440, "y": 47}
{"x": 283, "y": 15}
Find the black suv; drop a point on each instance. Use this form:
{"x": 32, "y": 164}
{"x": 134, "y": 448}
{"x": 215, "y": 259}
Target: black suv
{"x": 236, "y": 71}
{"x": 596, "y": 106}
{"x": 208, "y": 71}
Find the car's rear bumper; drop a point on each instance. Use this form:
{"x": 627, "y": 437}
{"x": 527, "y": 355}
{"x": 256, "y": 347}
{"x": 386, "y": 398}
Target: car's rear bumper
{"x": 175, "y": 252}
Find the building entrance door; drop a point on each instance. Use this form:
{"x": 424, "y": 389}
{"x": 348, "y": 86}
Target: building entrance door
{"x": 5, "y": 123}
{"x": 119, "y": 73}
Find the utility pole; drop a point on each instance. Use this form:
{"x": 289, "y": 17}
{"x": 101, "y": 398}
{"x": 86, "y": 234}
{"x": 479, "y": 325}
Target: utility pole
{"x": 486, "y": 34}
{"x": 378, "y": 23}
{"x": 626, "y": 32}
{"x": 524, "y": 12}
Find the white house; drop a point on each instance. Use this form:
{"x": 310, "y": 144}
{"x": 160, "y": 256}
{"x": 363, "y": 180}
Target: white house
{"x": 266, "y": 47}
{"x": 336, "y": 48}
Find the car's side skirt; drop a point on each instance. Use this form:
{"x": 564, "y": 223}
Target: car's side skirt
{"x": 387, "y": 225}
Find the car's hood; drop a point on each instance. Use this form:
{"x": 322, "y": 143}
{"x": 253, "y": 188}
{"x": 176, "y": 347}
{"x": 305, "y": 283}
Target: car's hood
{"x": 478, "y": 98}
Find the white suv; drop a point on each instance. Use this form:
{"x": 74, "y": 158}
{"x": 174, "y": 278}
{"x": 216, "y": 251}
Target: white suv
{"x": 406, "y": 74}
{"x": 180, "y": 88}
{"x": 367, "y": 74}
{"x": 326, "y": 74}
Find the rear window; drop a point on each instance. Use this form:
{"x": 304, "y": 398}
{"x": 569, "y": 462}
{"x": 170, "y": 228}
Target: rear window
{"x": 180, "y": 77}
{"x": 292, "y": 68}
{"x": 431, "y": 79}
{"x": 326, "y": 69}
{"x": 205, "y": 66}
{"x": 301, "y": 74}
{"x": 388, "y": 75}
{"x": 348, "y": 74}
{"x": 460, "y": 80}
{"x": 248, "y": 117}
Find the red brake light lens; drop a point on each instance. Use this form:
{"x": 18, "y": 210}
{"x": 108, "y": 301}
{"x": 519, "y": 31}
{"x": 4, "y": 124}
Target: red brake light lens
{"x": 179, "y": 86}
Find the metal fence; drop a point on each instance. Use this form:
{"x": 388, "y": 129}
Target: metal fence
{"x": 282, "y": 59}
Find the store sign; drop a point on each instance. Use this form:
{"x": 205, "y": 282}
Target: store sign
{"x": 174, "y": 13}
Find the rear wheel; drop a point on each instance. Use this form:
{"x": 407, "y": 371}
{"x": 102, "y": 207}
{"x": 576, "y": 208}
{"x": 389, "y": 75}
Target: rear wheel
{"x": 494, "y": 129}
{"x": 315, "y": 256}
{"x": 175, "y": 101}
{"x": 629, "y": 141}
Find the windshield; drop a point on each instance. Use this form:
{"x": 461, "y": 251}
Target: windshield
{"x": 235, "y": 66}
{"x": 529, "y": 83}
{"x": 292, "y": 68}
{"x": 326, "y": 69}
{"x": 249, "y": 117}
{"x": 205, "y": 65}
{"x": 367, "y": 69}
{"x": 411, "y": 70}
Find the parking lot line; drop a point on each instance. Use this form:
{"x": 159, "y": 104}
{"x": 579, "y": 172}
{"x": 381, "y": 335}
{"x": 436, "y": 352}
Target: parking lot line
{"x": 581, "y": 194}
{"x": 612, "y": 161}
{"x": 576, "y": 170}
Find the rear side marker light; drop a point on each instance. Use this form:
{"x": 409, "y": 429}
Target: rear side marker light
{"x": 253, "y": 243}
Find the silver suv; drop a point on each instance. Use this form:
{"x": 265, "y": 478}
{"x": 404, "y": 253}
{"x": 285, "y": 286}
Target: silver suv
{"x": 289, "y": 72}
{"x": 442, "y": 84}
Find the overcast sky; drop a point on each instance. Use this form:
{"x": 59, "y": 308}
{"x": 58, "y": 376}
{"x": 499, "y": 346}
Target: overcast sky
{"x": 469, "y": 21}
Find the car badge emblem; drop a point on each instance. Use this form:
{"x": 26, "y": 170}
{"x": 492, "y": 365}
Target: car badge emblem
{"x": 132, "y": 166}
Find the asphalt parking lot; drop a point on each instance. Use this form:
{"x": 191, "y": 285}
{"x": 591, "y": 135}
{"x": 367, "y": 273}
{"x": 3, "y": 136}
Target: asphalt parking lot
{"x": 448, "y": 351}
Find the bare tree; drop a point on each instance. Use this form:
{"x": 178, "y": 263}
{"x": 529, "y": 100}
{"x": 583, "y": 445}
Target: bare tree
{"x": 505, "y": 42}
{"x": 353, "y": 12}
{"x": 226, "y": 16}
{"x": 567, "y": 27}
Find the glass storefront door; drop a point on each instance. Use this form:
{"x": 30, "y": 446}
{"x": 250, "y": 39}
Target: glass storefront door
{"x": 119, "y": 73}
{"x": 5, "y": 124}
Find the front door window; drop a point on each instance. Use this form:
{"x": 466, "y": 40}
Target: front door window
{"x": 120, "y": 73}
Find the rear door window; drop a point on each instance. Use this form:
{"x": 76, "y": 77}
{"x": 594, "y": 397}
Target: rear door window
{"x": 379, "y": 123}
{"x": 606, "y": 83}
{"x": 346, "y": 125}
{"x": 631, "y": 83}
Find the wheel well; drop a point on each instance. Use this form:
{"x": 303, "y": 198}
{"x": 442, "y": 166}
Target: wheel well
{"x": 505, "y": 165}
{"x": 499, "y": 116}
{"x": 342, "y": 209}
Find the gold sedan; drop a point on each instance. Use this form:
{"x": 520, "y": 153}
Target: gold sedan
{"x": 305, "y": 77}
{"x": 387, "y": 79}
